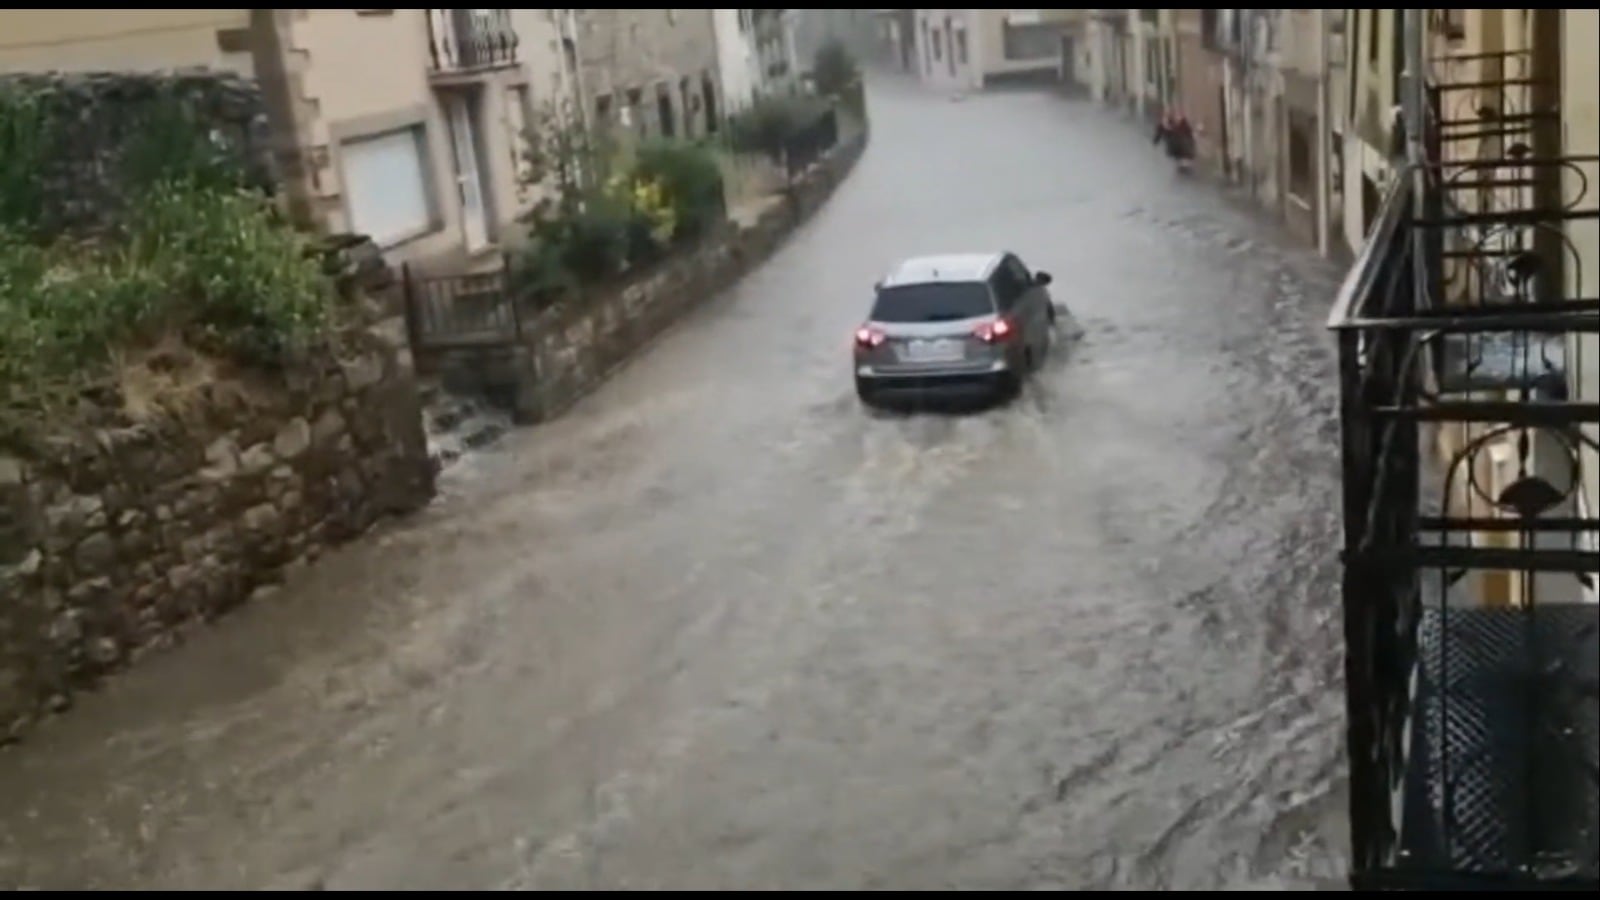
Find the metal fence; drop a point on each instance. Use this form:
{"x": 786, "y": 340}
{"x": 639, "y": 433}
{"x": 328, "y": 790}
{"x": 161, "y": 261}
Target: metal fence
{"x": 460, "y": 310}
{"x": 810, "y": 143}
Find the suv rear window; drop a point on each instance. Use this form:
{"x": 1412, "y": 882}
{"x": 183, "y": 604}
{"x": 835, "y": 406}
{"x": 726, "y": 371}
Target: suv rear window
{"x": 935, "y": 302}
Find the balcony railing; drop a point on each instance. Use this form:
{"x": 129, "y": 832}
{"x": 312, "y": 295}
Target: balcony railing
{"x": 471, "y": 40}
{"x": 1469, "y": 565}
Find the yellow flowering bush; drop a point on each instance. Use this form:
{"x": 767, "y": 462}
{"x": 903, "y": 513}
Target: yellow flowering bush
{"x": 647, "y": 203}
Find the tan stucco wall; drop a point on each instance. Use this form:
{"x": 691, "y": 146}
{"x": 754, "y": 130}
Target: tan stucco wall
{"x": 362, "y": 75}
{"x": 542, "y": 54}
{"x": 1581, "y": 136}
{"x": 125, "y": 39}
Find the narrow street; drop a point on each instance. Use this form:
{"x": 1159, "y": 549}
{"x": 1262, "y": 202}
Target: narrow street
{"x": 718, "y": 628}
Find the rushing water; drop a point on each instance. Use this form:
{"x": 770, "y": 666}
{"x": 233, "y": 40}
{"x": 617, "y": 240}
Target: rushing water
{"x": 718, "y": 628}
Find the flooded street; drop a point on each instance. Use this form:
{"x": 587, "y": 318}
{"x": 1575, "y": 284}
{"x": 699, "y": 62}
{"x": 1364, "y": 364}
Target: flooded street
{"x": 718, "y": 628}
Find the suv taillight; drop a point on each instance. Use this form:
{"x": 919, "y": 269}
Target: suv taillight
{"x": 998, "y": 330}
{"x": 868, "y": 337}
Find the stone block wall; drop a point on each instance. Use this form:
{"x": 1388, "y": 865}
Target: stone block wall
{"x": 571, "y": 348}
{"x": 112, "y": 539}
{"x": 102, "y": 127}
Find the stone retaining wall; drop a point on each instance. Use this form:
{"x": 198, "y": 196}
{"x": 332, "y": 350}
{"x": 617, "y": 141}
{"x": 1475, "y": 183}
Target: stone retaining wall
{"x": 572, "y": 348}
{"x": 113, "y": 539}
{"x": 100, "y": 132}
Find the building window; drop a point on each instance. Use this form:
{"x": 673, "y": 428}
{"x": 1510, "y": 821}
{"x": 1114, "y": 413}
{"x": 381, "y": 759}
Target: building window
{"x": 1372, "y": 35}
{"x": 386, "y": 188}
{"x": 708, "y": 91}
{"x": 631, "y": 112}
{"x": 602, "y": 111}
{"x": 686, "y": 105}
{"x": 669, "y": 123}
{"x": 938, "y": 46}
{"x": 1030, "y": 42}
{"x": 961, "y": 46}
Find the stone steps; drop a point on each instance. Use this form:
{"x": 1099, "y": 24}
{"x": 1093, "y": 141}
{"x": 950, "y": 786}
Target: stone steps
{"x": 458, "y": 425}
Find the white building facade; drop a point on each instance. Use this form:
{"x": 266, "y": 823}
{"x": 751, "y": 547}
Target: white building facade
{"x": 738, "y": 63}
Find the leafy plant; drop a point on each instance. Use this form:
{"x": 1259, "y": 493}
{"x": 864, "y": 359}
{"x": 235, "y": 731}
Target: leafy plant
{"x": 214, "y": 265}
{"x": 768, "y": 124}
{"x": 689, "y": 180}
{"x": 834, "y": 68}
{"x": 27, "y": 143}
{"x": 63, "y": 168}
{"x": 597, "y": 239}
{"x": 170, "y": 144}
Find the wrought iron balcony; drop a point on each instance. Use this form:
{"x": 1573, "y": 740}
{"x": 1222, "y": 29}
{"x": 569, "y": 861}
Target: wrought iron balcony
{"x": 469, "y": 41}
{"x": 1469, "y": 563}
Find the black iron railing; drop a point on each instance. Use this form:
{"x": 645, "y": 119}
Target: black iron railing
{"x": 466, "y": 40}
{"x": 459, "y": 311}
{"x": 1469, "y": 563}
{"x": 811, "y": 142}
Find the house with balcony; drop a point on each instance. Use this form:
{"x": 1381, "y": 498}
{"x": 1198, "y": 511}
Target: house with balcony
{"x": 649, "y": 72}
{"x": 402, "y": 125}
{"x": 1466, "y": 332}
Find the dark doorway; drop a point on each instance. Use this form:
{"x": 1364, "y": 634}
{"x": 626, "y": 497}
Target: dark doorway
{"x": 669, "y": 123}
{"x": 1069, "y": 61}
{"x": 708, "y": 93}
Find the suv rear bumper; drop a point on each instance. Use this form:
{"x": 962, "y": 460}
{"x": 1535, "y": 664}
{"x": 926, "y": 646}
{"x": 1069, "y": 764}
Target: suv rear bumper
{"x": 966, "y": 380}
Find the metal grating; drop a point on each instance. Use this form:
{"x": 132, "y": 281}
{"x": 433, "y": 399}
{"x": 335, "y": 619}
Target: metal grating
{"x": 1507, "y": 742}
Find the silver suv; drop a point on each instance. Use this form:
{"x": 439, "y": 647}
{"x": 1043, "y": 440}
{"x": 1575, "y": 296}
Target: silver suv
{"x": 968, "y": 323}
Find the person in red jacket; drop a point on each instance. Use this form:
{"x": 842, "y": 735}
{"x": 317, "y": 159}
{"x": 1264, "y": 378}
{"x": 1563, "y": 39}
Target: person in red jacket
{"x": 1175, "y": 129}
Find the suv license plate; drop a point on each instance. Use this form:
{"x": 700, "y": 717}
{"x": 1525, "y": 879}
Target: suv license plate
{"x": 933, "y": 351}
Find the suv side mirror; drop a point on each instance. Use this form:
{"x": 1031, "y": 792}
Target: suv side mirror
{"x": 1042, "y": 278}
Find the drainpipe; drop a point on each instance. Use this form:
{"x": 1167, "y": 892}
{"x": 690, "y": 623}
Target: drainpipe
{"x": 1324, "y": 148}
{"x": 571, "y": 69}
{"x": 1414, "y": 116}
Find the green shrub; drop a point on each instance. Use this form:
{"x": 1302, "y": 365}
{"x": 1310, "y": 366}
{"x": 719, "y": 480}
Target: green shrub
{"x": 253, "y": 283}
{"x": 834, "y": 68}
{"x": 540, "y": 273}
{"x": 691, "y": 180}
{"x": 770, "y": 122}
{"x": 596, "y": 240}
{"x": 27, "y": 143}
{"x": 172, "y": 145}
{"x": 60, "y": 173}
{"x": 216, "y": 266}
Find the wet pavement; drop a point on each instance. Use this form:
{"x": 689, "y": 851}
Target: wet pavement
{"x": 718, "y": 628}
